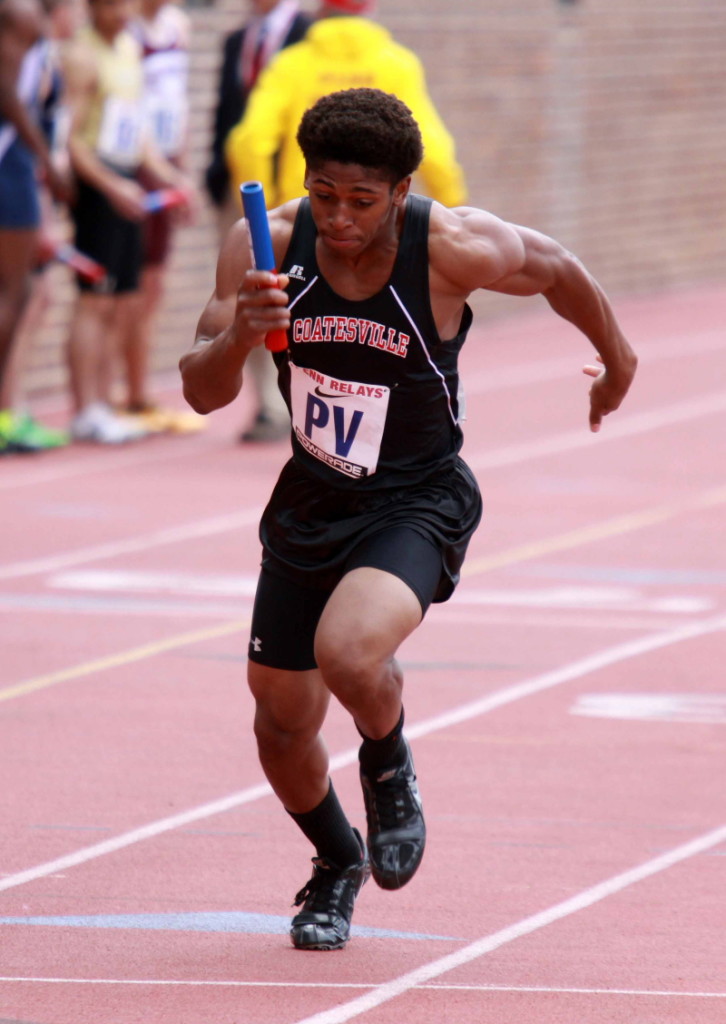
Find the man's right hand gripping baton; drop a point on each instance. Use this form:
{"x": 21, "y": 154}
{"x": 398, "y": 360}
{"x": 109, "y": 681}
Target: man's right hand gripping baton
{"x": 253, "y": 201}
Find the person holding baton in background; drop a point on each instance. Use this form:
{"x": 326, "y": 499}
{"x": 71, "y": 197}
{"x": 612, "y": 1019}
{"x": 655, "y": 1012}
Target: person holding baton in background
{"x": 369, "y": 521}
{"x": 108, "y": 147}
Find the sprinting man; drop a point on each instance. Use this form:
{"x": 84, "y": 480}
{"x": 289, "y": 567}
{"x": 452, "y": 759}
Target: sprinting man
{"x": 370, "y": 519}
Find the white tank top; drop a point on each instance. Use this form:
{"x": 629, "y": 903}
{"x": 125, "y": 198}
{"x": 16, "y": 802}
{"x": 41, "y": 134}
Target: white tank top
{"x": 165, "y": 53}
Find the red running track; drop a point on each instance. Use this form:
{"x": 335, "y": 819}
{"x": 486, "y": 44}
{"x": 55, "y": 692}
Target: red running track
{"x": 567, "y": 709}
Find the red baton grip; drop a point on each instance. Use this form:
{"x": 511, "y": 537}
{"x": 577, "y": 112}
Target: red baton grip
{"x": 276, "y": 341}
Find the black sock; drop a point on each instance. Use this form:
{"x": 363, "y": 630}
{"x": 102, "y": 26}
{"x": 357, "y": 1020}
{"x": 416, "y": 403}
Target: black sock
{"x": 384, "y": 753}
{"x": 330, "y": 832}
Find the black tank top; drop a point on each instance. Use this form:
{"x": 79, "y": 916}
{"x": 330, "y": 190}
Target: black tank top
{"x": 371, "y": 387}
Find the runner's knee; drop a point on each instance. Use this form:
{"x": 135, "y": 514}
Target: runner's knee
{"x": 289, "y": 707}
{"x": 349, "y": 665}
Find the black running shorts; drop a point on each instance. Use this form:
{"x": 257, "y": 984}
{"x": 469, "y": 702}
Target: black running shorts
{"x": 312, "y": 536}
{"x": 108, "y": 238}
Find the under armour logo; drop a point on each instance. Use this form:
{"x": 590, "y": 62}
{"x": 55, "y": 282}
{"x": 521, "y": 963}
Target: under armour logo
{"x": 256, "y": 644}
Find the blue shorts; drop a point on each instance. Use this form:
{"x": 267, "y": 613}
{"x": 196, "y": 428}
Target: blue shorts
{"x": 19, "y": 203}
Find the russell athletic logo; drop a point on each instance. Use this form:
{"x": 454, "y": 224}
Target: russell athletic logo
{"x": 297, "y": 272}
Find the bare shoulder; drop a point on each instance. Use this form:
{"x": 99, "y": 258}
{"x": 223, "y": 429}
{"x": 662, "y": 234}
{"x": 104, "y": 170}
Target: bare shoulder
{"x": 235, "y": 257}
{"x": 470, "y": 248}
{"x": 22, "y": 20}
{"x": 282, "y": 219}
{"x": 79, "y": 64}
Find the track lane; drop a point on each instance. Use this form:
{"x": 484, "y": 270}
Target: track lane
{"x": 492, "y": 661}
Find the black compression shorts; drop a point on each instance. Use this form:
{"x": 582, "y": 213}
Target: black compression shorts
{"x": 286, "y": 612}
{"x": 313, "y": 534}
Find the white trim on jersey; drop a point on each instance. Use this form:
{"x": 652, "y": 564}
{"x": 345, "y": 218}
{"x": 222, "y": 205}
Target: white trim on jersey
{"x": 426, "y": 352}
{"x": 303, "y": 292}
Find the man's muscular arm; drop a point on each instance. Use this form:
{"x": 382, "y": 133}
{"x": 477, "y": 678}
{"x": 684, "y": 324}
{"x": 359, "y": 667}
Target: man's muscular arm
{"x": 491, "y": 254}
{"x": 574, "y": 294}
{"x": 243, "y": 308}
{"x": 22, "y": 24}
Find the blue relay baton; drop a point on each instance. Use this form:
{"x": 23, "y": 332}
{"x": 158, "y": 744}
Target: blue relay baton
{"x": 255, "y": 210}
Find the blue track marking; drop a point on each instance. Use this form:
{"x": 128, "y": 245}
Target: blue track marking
{"x": 213, "y": 921}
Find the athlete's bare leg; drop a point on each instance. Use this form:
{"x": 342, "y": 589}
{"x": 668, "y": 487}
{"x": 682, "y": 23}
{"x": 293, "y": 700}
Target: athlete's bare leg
{"x": 17, "y": 252}
{"x": 136, "y": 336}
{"x": 89, "y": 352}
{"x": 36, "y": 308}
{"x": 367, "y": 618}
{"x": 290, "y": 710}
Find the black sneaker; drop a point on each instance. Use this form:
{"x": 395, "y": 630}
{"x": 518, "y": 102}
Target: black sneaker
{"x": 396, "y": 827}
{"x": 327, "y": 903}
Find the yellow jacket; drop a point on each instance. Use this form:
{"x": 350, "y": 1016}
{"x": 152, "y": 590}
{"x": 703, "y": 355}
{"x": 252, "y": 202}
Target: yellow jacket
{"x": 337, "y": 53}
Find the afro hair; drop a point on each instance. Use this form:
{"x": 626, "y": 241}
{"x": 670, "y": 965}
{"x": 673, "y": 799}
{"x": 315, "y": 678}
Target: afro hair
{"x": 368, "y": 127}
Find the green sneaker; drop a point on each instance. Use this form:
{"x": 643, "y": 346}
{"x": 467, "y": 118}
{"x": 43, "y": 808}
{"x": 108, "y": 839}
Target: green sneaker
{"x": 8, "y": 444}
{"x": 29, "y": 435}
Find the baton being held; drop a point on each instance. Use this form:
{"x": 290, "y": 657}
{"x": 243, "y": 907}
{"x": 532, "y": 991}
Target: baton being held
{"x": 253, "y": 201}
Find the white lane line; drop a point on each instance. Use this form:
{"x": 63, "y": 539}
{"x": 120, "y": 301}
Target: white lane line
{"x": 437, "y": 986}
{"x": 478, "y": 382}
{"x": 613, "y": 430}
{"x": 524, "y": 374}
{"x": 663, "y": 993}
{"x": 625, "y": 426}
{"x": 209, "y": 983}
{"x": 686, "y": 708}
{"x": 158, "y": 538}
{"x": 108, "y": 463}
{"x": 587, "y": 898}
{"x": 188, "y": 584}
{"x": 125, "y": 607}
{"x": 576, "y": 670}
{"x": 580, "y": 596}
{"x": 465, "y": 712}
{"x": 137, "y": 835}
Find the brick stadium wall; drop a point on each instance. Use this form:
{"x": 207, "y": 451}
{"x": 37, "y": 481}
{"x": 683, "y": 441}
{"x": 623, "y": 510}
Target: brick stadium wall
{"x": 597, "y": 121}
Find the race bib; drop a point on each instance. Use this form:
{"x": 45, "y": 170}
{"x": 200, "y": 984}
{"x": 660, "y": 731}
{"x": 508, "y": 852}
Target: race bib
{"x": 165, "y": 77}
{"x": 167, "y": 123}
{"x": 340, "y": 422}
{"x": 120, "y": 137}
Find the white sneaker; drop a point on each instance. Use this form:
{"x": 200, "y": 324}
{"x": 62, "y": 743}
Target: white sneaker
{"x": 97, "y": 424}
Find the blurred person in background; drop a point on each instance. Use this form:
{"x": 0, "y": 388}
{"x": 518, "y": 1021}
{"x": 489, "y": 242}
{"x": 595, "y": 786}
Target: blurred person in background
{"x": 17, "y": 423}
{"x": 274, "y": 25}
{"x": 162, "y": 30}
{"x": 343, "y": 49}
{"x": 25, "y": 158}
{"x": 109, "y": 147}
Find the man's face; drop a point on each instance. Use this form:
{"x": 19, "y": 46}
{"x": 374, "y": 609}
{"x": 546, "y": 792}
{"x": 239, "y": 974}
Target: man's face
{"x": 352, "y": 206}
{"x": 109, "y": 17}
